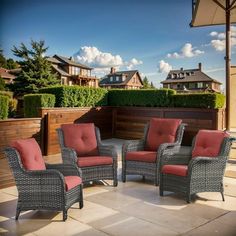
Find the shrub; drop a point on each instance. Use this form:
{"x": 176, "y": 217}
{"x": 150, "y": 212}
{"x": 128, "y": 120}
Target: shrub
{"x": 148, "y": 98}
{"x": 32, "y": 102}
{"x": 199, "y": 100}
{"x": 12, "y": 103}
{"x": 4, "y": 106}
{"x": 77, "y": 96}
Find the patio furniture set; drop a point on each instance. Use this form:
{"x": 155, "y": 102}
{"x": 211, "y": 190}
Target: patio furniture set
{"x": 159, "y": 156}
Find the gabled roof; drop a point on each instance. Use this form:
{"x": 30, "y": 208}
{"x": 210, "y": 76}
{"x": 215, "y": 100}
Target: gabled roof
{"x": 190, "y": 75}
{"x": 64, "y": 60}
{"x": 4, "y": 73}
{"x": 128, "y": 74}
{"x": 61, "y": 72}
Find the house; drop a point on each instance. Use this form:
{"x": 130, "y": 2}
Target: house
{"x": 122, "y": 79}
{"x": 6, "y": 75}
{"x": 193, "y": 80}
{"x": 72, "y": 73}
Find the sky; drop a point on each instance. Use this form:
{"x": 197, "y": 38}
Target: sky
{"x": 152, "y": 36}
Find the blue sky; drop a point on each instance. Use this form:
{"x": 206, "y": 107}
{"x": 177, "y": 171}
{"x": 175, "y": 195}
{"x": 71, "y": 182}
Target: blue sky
{"x": 152, "y": 36}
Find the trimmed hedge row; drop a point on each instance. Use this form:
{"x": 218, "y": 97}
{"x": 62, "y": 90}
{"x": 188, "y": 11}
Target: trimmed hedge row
{"x": 77, "y": 96}
{"x": 165, "y": 98}
{"x": 146, "y": 98}
{"x": 12, "y": 103}
{"x": 4, "y": 106}
{"x": 199, "y": 100}
{"x": 34, "y": 101}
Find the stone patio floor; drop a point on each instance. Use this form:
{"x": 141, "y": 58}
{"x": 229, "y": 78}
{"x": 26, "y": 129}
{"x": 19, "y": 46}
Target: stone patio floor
{"x": 132, "y": 208}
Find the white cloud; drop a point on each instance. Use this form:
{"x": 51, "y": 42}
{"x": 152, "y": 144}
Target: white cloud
{"x": 219, "y": 42}
{"x": 133, "y": 62}
{"x": 164, "y": 67}
{"x": 186, "y": 51}
{"x": 95, "y": 58}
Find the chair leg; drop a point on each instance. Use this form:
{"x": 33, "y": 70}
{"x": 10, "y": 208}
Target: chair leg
{"x": 188, "y": 200}
{"x": 64, "y": 215}
{"x": 123, "y": 176}
{"x": 115, "y": 183}
{"x": 81, "y": 202}
{"x": 18, "y": 210}
{"x": 223, "y": 198}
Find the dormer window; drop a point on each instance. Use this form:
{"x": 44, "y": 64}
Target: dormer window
{"x": 111, "y": 79}
{"x": 123, "y": 77}
{"x": 117, "y": 78}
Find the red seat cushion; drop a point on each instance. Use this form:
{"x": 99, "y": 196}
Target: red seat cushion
{"x": 30, "y": 154}
{"x": 161, "y": 131}
{"x": 72, "y": 181}
{"x": 94, "y": 161}
{"x": 81, "y": 137}
{"x": 180, "y": 170}
{"x": 208, "y": 143}
{"x": 144, "y": 156}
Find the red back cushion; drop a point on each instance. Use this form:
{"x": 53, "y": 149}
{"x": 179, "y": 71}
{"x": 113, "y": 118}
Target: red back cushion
{"x": 161, "y": 131}
{"x": 30, "y": 154}
{"x": 81, "y": 137}
{"x": 208, "y": 143}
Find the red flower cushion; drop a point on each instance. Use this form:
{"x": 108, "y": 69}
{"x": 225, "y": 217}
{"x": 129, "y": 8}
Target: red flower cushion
{"x": 81, "y": 137}
{"x": 161, "y": 131}
{"x": 208, "y": 143}
{"x": 30, "y": 154}
{"x": 72, "y": 181}
{"x": 94, "y": 161}
{"x": 180, "y": 170}
{"x": 144, "y": 156}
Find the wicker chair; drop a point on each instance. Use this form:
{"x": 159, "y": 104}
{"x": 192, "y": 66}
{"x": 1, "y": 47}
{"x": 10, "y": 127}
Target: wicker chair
{"x": 199, "y": 168}
{"x": 141, "y": 157}
{"x": 42, "y": 186}
{"x": 81, "y": 145}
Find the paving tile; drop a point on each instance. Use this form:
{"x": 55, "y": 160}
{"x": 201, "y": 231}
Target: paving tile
{"x": 112, "y": 199}
{"x": 120, "y": 225}
{"x": 90, "y": 212}
{"x": 171, "y": 219}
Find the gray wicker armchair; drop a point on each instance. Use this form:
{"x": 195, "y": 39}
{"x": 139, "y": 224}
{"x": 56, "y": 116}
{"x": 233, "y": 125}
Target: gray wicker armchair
{"x": 141, "y": 157}
{"x": 53, "y": 187}
{"x": 81, "y": 145}
{"x": 199, "y": 168}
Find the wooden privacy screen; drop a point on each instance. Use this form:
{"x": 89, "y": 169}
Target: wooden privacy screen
{"x": 127, "y": 122}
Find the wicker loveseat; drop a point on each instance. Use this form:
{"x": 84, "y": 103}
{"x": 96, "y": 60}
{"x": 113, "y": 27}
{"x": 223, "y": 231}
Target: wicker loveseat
{"x": 42, "y": 186}
{"x": 199, "y": 168}
{"x": 81, "y": 145}
{"x": 141, "y": 157}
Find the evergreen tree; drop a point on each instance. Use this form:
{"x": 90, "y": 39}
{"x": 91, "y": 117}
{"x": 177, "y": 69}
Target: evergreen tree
{"x": 11, "y": 64}
{"x": 152, "y": 86}
{"x": 3, "y": 61}
{"x": 36, "y": 70}
{"x": 146, "y": 83}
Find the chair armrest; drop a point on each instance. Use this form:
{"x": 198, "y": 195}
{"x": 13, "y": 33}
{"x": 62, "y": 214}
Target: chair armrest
{"x": 108, "y": 150}
{"x": 179, "y": 155}
{"x": 133, "y": 145}
{"x": 69, "y": 155}
{"x": 65, "y": 169}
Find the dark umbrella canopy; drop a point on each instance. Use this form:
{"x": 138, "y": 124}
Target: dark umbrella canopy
{"x": 217, "y": 12}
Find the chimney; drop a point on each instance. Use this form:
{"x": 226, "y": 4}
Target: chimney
{"x": 181, "y": 68}
{"x": 113, "y": 70}
{"x": 200, "y": 66}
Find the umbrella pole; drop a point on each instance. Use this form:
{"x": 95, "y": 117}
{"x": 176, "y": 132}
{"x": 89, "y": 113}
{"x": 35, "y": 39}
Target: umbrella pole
{"x": 227, "y": 63}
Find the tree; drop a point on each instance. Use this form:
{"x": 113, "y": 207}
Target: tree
{"x": 3, "y": 61}
{"x": 2, "y": 84}
{"x": 147, "y": 85}
{"x": 36, "y": 70}
{"x": 11, "y": 64}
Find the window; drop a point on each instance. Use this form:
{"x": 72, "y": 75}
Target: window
{"x": 111, "y": 79}
{"x": 200, "y": 85}
{"x": 117, "y": 78}
{"x": 123, "y": 77}
{"x": 192, "y": 85}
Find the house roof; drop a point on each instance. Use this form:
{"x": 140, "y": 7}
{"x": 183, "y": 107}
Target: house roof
{"x": 64, "y": 60}
{"x": 61, "y": 72}
{"x": 128, "y": 74}
{"x": 4, "y": 73}
{"x": 190, "y": 75}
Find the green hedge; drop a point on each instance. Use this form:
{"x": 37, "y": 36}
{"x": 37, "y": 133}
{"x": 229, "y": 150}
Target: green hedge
{"x": 146, "y": 98}
{"x": 199, "y": 100}
{"x": 12, "y": 103}
{"x": 77, "y": 96}
{"x": 34, "y": 101}
{"x": 4, "y": 106}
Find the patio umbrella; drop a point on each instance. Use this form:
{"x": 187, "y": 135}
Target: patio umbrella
{"x": 217, "y": 12}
